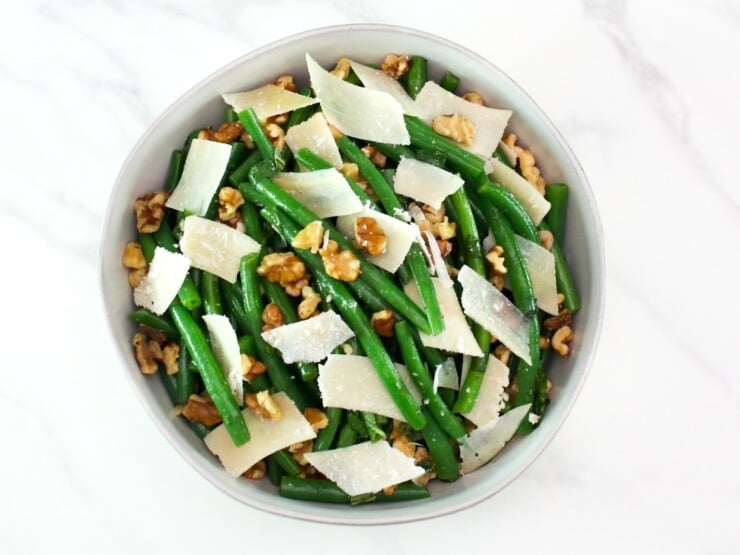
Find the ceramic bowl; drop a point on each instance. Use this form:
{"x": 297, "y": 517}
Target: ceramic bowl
{"x": 146, "y": 166}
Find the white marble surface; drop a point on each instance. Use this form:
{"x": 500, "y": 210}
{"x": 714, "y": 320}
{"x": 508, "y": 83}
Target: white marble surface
{"x": 646, "y": 94}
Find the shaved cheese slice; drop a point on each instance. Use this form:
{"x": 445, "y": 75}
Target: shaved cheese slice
{"x": 534, "y": 203}
{"x": 351, "y": 382}
{"x": 457, "y": 336}
{"x": 489, "y": 123}
{"x": 425, "y": 182}
{"x": 226, "y": 348}
{"x": 267, "y": 101}
{"x": 541, "y": 267}
{"x": 490, "y": 308}
{"x": 309, "y": 340}
{"x": 365, "y": 467}
{"x": 378, "y": 80}
{"x": 400, "y": 236}
{"x": 482, "y": 444}
{"x": 357, "y": 111}
{"x": 445, "y": 375}
{"x": 267, "y": 436}
{"x": 315, "y": 135}
{"x": 215, "y": 247}
{"x": 204, "y": 168}
{"x": 490, "y": 399}
{"x": 510, "y": 153}
{"x": 324, "y": 192}
{"x": 160, "y": 285}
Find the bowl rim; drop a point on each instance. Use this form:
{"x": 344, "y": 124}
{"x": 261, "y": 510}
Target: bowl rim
{"x": 390, "y": 516}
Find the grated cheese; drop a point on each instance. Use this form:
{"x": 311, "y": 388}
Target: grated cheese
{"x": 309, "y": 340}
{"x": 351, "y": 382}
{"x": 204, "y": 168}
{"x": 267, "y": 436}
{"x": 365, "y": 467}
{"x": 215, "y": 247}
{"x": 160, "y": 285}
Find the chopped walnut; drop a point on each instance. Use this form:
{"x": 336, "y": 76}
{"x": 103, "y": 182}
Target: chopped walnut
{"x": 272, "y": 317}
{"x": 229, "y": 201}
{"x": 276, "y": 134}
{"x": 527, "y": 163}
{"x": 263, "y": 405}
{"x": 286, "y": 82}
{"x": 310, "y": 303}
{"x": 383, "y": 322}
{"x": 256, "y": 471}
{"x": 247, "y": 140}
{"x": 544, "y": 342}
{"x": 135, "y": 277}
{"x": 496, "y": 257}
{"x": 251, "y": 367}
{"x": 474, "y": 97}
{"x": 556, "y": 322}
{"x": 342, "y": 68}
{"x": 133, "y": 257}
{"x": 445, "y": 247}
{"x": 399, "y": 429}
{"x": 560, "y": 340}
{"x": 149, "y": 211}
{"x": 421, "y": 454}
{"x": 284, "y": 268}
{"x": 404, "y": 446}
{"x": 498, "y": 281}
{"x": 434, "y": 215}
{"x": 341, "y": 265}
{"x": 444, "y": 229}
{"x": 227, "y": 132}
{"x": 170, "y": 356}
{"x": 317, "y": 418}
{"x": 388, "y": 490}
{"x": 294, "y": 289}
{"x": 376, "y": 157}
{"x": 396, "y": 66}
{"x": 503, "y": 353}
{"x": 560, "y": 299}
{"x": 310, "y": 237}
{"x": 299, "y": 449}
{"x": 369, "y": 236}
{"x": 350, "y": 170}
{"x": 456, "y": 127}
{"x": 546, "y": 239}
{"x": 201, "y": 410}
{"x": 147, "y": 352}
{"x": 425, "y": 478}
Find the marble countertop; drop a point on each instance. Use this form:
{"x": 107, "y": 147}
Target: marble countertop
{"x": 646, "y": 95}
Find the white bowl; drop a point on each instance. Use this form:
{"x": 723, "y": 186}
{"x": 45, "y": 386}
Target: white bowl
{"x": 145, "y": 169}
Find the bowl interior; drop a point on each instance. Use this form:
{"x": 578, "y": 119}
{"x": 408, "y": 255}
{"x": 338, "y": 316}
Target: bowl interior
{"x": 145, "y": 170}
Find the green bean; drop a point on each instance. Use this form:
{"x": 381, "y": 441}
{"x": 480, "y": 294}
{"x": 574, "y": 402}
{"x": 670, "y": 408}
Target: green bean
{"x": 230, "y": 115}
{"x": 347, "y": 436}
{"x": 416, "y": 263}
{"x": 325, "y": 491}
{"x": 170, "y": 385}
{"x": 299, "y": 115}
{"x": 449, "y": 82}
{"x": 252, "y": 125}
{"x": 470, "y": 246}
{"x": 423, "y": 382}
{"x": 177, "y": 163}
{"x": 500, "y": 155}
{"x": 247, "y": 346}
{"x": 241, "y": 173}
{"x": 521, "y": 287}
{"x": 308, "y": 370}
{"x": 326, "y": 435}
{"x": 253, "y": 306}
{"x": 274, "y": 472}
{"x": 189, "y": 139}
{"x": 210, "y": 294}
{"x": 557, "y": 196}
{"x": 432, "y": 156}
{"x": 188, "y": 293}
{"x": 440, "y": 449}
{"x": 267, "y": 194}
{"x": 148, "y": 244}
{"x": 161, "y": 323}
{"x": 373, "y": 429}
{"x": 185, "y": 379}
{"x": 367, "y": 295}
{"x": 423, "y": 136}
{"x": 211, "y": 374}
{"x": 417, "y": 75}
{"x": 314, "y": 162}
{"x": 356, "y": 319}
{"x": 286, "y": 462}
{"x": 502, "y": 199}
{"x": 237, "y": 156}
{"x": 395, "y": 152}
{"x": 231, "y": 298}
{"x": 563, "y": 277}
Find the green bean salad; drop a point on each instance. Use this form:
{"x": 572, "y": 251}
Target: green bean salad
{"x": 354, "y": 285}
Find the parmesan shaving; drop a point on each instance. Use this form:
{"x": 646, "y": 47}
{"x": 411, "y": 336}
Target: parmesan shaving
{"x": 269, "y": 100}
{"x": 226, "y": 348}
{"x": 378, "y": 80}
{"x": 315, "y": 135}
{"x": 482, "y": 444}
{"x": 490, "y": 400}
{"x": 160, "y": 285}
{"x": 425, "y": 182}
{"x": 534, "y": 203}
{"x": 324, "y": 192}
{"x": 309, "y": 340}
{"x": 541, "y": 267}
